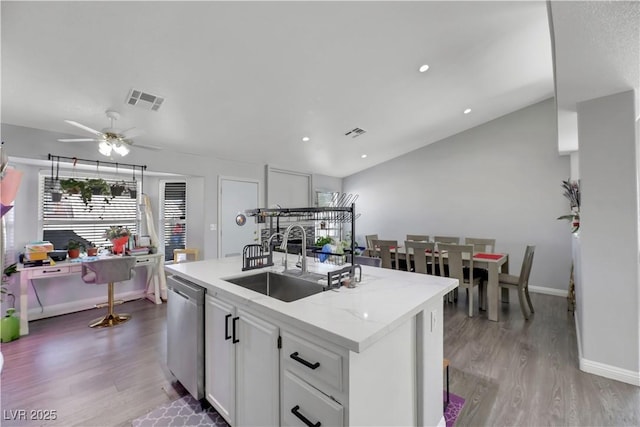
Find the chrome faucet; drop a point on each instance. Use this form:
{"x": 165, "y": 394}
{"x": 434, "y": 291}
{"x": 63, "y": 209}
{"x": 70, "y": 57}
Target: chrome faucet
{"x": 271, "y": 239}
{"x": 285, "y": 241}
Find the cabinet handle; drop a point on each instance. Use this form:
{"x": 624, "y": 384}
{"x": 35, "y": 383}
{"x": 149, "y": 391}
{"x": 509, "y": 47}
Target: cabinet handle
{"x": 51, "y": 271}
{"x": 304, "y": 419}
{"x": 226, "y": 327}
{"x": 234, "y": 340}
{"x": 309, "y": 365}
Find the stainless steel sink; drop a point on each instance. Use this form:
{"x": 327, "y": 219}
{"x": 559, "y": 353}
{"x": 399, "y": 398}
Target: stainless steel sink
{"x": 280, "y": 286}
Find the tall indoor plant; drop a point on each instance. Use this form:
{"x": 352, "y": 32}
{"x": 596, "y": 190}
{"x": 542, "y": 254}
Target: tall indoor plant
{"x": 572, "y": 193}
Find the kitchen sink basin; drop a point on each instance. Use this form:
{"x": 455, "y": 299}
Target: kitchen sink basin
{"x": 280, "y": 286}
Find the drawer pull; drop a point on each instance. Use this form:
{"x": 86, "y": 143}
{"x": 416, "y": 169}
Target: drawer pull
{"x": 309, "y": 365}
{"x": 304, "y": 419}
{"x": 226, "y": 327}
{"x": 51, "y": 271}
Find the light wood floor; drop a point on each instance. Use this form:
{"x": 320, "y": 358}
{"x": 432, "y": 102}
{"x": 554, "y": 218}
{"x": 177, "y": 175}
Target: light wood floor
{"x": 511, "y": 373}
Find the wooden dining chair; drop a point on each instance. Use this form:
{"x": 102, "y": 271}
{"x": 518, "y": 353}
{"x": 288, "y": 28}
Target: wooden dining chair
{"x": 369, "y": 239}
{"x": 455, "y": 254}
{"x": 418, "y": 237}
{"x": 387, "y": 251}
{"x": 521, "y": 283}
{"x": 481, "y": 245}
{"x": 423, "y": 256}
{"x": 446, "y": 239}
{"x": 365, "y": 260}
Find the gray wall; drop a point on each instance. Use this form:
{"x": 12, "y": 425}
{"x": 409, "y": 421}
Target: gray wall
{"x": 608, "y": 296}
{"x": 499, "y": 180}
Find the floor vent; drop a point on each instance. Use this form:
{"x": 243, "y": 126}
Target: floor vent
{"x": 144, "y": 100}
{"x": 355, "y": 132}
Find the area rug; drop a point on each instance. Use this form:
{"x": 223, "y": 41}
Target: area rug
{"x": 453, "y": 409}
{"x": 185, "y": 411}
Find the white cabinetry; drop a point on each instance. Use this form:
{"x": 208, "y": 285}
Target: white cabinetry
{"x": 241, "y": 365}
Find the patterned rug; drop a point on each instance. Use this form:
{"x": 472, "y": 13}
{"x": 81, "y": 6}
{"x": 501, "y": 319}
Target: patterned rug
{"x": 453, "y": 409}
{"x": 185, "y": 411}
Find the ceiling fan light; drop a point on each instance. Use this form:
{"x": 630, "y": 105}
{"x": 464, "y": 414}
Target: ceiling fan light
{"x": 104, "y": 148}
{"x": 121, "y": 149}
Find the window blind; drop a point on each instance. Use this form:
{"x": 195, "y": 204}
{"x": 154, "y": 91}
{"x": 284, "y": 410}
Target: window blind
{"x": 175, "y": 217}
{"x": 70, "y": 215}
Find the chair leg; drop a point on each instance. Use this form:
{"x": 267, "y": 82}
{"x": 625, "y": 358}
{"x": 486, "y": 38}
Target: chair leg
{"x": 111, "y": 319}
{"x": 470, "y": 301}
{"x": 446, "y": 371}
{"x": 521, "y": 298}
{"x": 526, "y": 292}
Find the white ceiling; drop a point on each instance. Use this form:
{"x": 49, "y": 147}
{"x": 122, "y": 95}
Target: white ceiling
{"x": 247, "y": 80}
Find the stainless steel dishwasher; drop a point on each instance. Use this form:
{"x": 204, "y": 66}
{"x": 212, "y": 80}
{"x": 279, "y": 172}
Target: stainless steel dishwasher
{"x": 185, "y": 334}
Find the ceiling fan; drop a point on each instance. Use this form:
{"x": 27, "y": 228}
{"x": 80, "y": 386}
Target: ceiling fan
{"x": 110, "y": 139}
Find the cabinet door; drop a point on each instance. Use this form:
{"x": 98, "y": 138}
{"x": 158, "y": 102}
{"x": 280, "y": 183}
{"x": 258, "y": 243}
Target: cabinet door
{"x": 220, "y": 357}
{"x": 257, "y": 372}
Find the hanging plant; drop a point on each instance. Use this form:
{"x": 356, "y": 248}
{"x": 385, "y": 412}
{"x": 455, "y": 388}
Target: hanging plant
{"x": 72, "y": 185}
{"x": 98, "y": 187}
{"x": 118, "y": 188}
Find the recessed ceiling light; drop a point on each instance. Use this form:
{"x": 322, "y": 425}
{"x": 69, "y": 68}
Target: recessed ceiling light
{"x": 364, "y": 156}
{"x": 305, "y": 138}
{"x": 467, "y": 111}
{"x": 423, "y": 68}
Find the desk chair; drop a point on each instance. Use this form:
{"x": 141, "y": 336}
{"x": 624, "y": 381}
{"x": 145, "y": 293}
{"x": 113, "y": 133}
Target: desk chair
{"x": 109, "y": 270}
{"x": 183, "y": 255}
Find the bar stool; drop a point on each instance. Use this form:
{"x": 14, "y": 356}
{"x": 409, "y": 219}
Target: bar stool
{"x": 109, "y": 270}
{"x": 445, "y": 367}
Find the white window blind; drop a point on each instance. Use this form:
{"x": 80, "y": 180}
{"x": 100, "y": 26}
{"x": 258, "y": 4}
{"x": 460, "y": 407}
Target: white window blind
{"x": 70, "y": 218}
{"x": 175, "y": 217}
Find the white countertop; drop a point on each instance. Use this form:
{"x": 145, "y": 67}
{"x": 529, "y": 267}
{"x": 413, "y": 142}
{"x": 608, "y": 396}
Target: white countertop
{"x": 353, "y": 318}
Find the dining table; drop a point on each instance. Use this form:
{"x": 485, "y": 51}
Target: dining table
{"x": 494, "y": 263}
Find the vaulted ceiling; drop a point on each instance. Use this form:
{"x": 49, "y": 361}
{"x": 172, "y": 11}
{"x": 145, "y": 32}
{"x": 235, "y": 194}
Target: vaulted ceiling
{"x": 248, "y": 80}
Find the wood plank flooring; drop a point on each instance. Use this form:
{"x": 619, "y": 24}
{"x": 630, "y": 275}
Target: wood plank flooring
{"x": 511, "y": 373}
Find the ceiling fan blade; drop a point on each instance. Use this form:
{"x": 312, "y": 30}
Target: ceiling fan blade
{"x": 148, "y": 147}
{"x": 87, "y": 128}
{"x": 79, "y": 140}
{"x": 131, "y": 133}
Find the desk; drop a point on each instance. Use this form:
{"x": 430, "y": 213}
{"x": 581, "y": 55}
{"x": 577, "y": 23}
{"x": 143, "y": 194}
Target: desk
{"x": 494, "y": 267}
{"x": 156, "y": 280}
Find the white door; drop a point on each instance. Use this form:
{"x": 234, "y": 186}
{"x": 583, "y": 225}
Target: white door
{"x": 236, "y": 196}
{"x": 220, "y": 357}
{"x": 257, "y": 372}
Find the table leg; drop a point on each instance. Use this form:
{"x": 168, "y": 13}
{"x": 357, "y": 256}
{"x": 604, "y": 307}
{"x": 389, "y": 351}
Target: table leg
{"x": 24, "y": 310}
{"x": 492, "y": 292}
{"x": 504, "y": 268}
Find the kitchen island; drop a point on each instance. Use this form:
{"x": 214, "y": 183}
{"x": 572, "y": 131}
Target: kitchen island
{"x": 369, "y": 355}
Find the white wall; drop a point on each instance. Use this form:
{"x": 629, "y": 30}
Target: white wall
{"x": 609, "y": 290}
{"x": 500, "y": 180}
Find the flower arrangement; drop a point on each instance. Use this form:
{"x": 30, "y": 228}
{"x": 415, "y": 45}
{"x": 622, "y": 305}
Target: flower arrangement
{"x": 572, "y": 193}
{"x": 116, "y": 231}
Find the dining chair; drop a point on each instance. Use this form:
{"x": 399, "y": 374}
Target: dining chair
{"x": 423, "y": 256}
{"x": 369, "y": 239}
{"x": 384, "y": 249}
{"x": 446, "y": 239}
{"x": 418, "y": 237}
{"x": 481, "y": 245}
{"x": 455, "y": 254}
{"x": 521, "y": 283}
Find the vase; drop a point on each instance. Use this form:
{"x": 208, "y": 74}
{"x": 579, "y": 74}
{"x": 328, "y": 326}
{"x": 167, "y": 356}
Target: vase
{"x": 119, "y": 243}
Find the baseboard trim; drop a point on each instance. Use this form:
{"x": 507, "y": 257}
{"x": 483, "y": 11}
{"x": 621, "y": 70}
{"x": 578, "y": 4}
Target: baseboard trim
{"x": 85, "y": 304}
{"x": 608, "y": 371}
{"x": 548, "y": 291}
{"x": 603, "y": 370}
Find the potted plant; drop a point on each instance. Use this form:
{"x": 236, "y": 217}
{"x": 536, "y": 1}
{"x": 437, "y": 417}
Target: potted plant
{"x": 118, "y": 188}
{"x": 118, "y": 236}
{"x": 73, "y": 248}
{"x": 572, "y": 193}
{"x": 133, "y": 192}
{"x": 72, "y": 185}
{"x": 98, "y": 187}
{"x": 92, "y": 250}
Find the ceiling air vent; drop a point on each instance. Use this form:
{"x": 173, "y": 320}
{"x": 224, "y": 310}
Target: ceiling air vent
{"x": 355, "y": 132}
{"x": 145, "y": 100}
